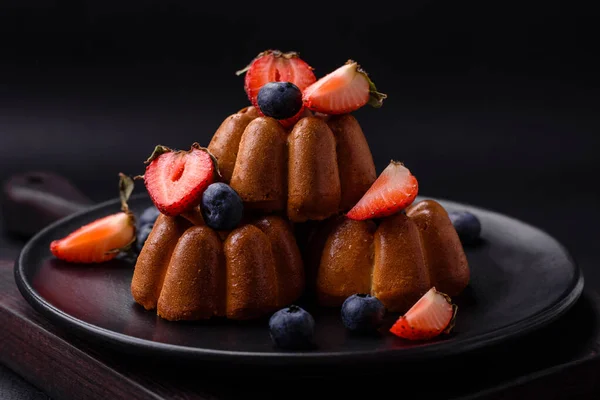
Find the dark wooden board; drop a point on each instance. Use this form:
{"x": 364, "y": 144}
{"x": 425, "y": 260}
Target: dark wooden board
{"x": 560, "y": 360}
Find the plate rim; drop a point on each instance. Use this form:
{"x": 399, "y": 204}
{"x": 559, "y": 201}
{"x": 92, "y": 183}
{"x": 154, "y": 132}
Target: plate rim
{"x": 422, "y": 352}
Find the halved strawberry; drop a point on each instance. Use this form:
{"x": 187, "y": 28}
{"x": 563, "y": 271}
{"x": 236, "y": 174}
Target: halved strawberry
{"x": 344, "y": 90}
{"x": 431, "y": 315}
{"x": 276, "y": 66}
{"x": 176, "y": 179}
{"x": 395, "y": 189}
{"x": 103, "y": 239}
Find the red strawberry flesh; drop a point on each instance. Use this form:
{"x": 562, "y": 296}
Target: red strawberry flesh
{"x": 276, "y": 66}
{"x": 98, "y": 241}
{"x": 103, "y": 239}
{"x": 342, "y": 91}
{"x": 176, "y": 180}
{"x": 395, "y": 189}
{"x": 431, "y": 315}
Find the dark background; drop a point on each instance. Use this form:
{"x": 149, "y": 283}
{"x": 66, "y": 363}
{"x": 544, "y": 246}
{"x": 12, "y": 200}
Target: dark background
{"x": 490, "y": 103}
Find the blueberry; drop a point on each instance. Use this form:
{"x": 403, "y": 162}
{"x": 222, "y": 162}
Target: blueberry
{"x": 467, "y": 226}
{"x": 142, "y": 235}
{"x": 279, "y": 100}
{"x": 292, "y": 328}
{"x": 362, "y": 313}
{"x": 222, "y": 207}
{"x": 148, "y": 216}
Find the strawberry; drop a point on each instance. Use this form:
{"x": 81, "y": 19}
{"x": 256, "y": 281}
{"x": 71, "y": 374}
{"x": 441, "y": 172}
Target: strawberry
{"x": 431, "y": 315}
{"x": 287, "y": 123}
{"x": 103, "y": 239}
{"x": 276, "y": 66}
{"x": 344, "y": 90}
{"x": 176, "y": 180}
{"x": 395, "y": 189}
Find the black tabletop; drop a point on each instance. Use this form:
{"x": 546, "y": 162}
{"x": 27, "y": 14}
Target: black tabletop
{"x": 500, "y": 111}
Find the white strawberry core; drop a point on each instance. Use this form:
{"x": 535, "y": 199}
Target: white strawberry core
{"x": 180, "y": 174}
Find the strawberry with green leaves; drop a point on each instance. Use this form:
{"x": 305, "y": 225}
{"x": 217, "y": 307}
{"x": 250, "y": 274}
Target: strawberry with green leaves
{"x": 342, "y": 91}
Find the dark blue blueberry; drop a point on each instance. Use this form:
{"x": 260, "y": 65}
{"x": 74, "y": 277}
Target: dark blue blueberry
{"x": 467, "y": 226}
{"x": 279, "y": 100}
{"x": 148, "y": 216}
{"x": 362, "y": 313}
{"x": 292, "y": 328}
{"x": 142, "y": 235}
{"x": 222, "y": 207}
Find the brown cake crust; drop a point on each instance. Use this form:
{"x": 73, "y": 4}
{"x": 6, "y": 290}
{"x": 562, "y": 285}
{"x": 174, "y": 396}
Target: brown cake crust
{"x": 327, "y": 164}
{"x": 349, "y": 252}
{"x": 149, "y": 272}
{"x": 289, "y": 268}
{"x": 226, "y": 140}
{"x": 194, "y": 293}
{"x": 397, "y": 261}
{"x": 250, "y": 273}
{"x": 314, "y": 190}
{"x": 190, "y": 272}
{"x": 260, "y": 176}
{"x": 356, "y": 167}
{"x": 447, "y": 262}
{"x": 400, "y": 276}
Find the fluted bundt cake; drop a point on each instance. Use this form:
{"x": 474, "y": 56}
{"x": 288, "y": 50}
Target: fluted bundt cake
{"x": 397, "y": 260}
{"x": 192, "y": 272}
{"x": 319, "y": 167}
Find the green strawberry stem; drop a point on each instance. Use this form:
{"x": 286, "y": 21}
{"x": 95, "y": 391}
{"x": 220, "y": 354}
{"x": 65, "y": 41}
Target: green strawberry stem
{"x": 453, "y": 320}
{"x": 158, "y": 150}
{"x": 375, "y": 98}
{"x": 276, "y": 53}
{"x": 126, "y": 186}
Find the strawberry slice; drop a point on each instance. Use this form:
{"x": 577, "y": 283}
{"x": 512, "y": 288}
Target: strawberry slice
{"x": 103, "y": 239}
{"x": 176, "y": 180}
{"x": 431, "y": 315}
{"x": 276, "y": 66}
{"x": 344, "y": 90}
{"x": 395, "y": 189}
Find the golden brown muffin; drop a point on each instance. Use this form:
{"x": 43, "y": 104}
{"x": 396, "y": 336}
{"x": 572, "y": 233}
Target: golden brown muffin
{"x": 400, "y": 276}
{"x": 444, "y": 255}
{"x": 397, "y": 261}
{"x": 356, "y": 166}
{"x": 226, "y": 140}
{"x": 199, "y": 297}
{"x": 348, "y": 251}
{"x": 260, "y": 177}
{"x": 190, "y": 272}
{"x": 322, "y": 167}
{"x": 314, "y": 190}
{"x": 150, "y": 270}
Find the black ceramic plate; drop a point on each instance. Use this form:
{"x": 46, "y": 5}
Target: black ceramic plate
{"x": 522, "y": 279}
